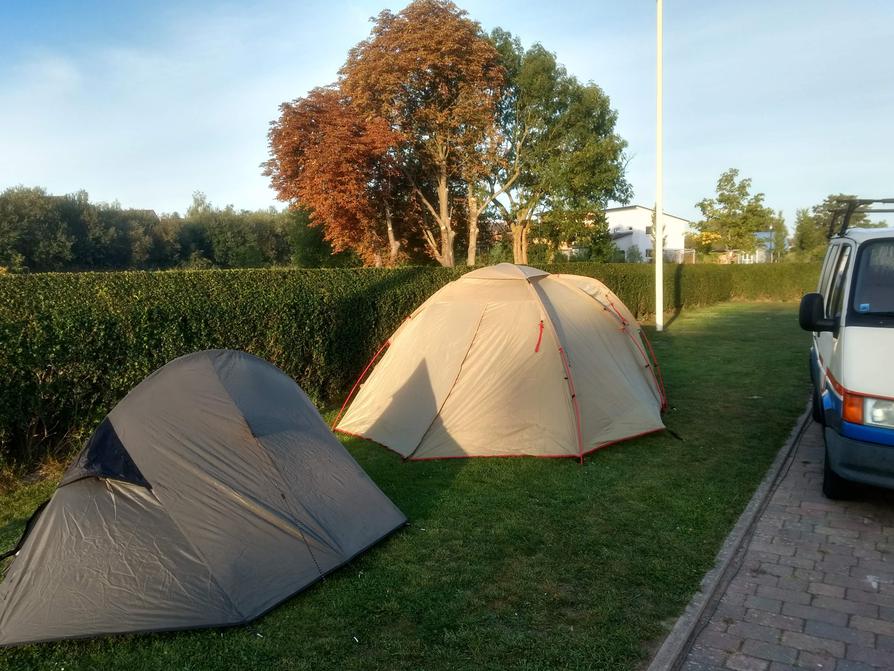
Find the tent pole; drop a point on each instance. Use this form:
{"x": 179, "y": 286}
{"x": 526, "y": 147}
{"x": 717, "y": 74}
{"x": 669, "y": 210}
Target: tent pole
{"x": 658, "y": 247}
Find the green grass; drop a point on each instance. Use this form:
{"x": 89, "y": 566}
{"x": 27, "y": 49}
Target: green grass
{"x": 523, "y": 563}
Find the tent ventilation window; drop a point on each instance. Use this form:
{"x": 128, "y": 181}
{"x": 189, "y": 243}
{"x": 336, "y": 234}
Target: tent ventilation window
{"x": 105, "y": 456}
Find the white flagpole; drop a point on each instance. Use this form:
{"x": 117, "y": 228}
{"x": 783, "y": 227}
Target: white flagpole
{"x": 658, "y": 251}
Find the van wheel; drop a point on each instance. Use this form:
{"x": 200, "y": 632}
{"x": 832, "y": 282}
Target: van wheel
{"x": 834, "y": 486}
{"x": 819, "y": 414}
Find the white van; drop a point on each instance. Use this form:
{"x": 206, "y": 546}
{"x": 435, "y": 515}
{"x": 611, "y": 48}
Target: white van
{"x": 851, "y": 316}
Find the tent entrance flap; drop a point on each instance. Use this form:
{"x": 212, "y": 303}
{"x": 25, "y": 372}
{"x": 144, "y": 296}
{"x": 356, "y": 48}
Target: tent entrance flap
{"x": 404, "y": 392}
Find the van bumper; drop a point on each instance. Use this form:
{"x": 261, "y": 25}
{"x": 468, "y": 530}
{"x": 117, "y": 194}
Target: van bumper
{"x": 860, "y": 461}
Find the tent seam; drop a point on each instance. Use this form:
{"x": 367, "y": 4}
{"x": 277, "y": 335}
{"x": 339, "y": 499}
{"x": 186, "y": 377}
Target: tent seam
{"x": 572, "y": 400}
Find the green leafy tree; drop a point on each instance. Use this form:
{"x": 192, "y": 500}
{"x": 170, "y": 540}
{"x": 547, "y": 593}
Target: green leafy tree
{"x": 811, "y": 235}
{"x": 580, "y": 230}
{"x": 633, "y": 255}
{"x": 556, "y": 149}
{"x": 42, "y": 232}
{"x": 34, "y": 230}
{"x": 734, "y": 216}
{"x": 307, "y": 246}
{"x": 780, "y": 237}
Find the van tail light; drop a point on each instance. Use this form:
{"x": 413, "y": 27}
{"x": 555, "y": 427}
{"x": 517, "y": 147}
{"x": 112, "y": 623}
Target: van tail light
{"x": 852, "y": 409}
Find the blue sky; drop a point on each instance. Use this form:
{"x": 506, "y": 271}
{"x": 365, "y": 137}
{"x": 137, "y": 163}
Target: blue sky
{"x": 147, "y": 102}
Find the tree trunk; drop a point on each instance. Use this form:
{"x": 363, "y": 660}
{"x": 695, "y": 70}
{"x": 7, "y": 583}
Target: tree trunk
{"x": 524, "y": 244}
{"x": 444, "y": 223}
{"x": 393, "y": 244}
{"x": 519, "y": 242}
{"x": 474, "y": 213}
{"x": 447, "y": 259}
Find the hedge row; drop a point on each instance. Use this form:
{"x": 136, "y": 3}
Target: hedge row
{"x": 72, "y": 345}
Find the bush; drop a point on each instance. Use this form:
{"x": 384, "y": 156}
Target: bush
{"x": 72, "y": 345}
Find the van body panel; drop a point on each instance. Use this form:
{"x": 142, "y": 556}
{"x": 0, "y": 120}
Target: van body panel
{"x": 865, "y": 365}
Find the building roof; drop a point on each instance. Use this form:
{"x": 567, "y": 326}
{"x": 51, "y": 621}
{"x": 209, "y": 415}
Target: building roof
{"x": 647, "y": 209}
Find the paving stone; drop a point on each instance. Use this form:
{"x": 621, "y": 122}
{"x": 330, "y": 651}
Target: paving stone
{"x": 784, "y": 595}
{"x": 878, "y": 598}
{"x": 846, "y": 606}
{"x": 849, "y": 665}
{"x": 822, "y": 589}
{"x": 815, "y": 644}
{"x": 874, "y": 625}
{"x": 755, "y": 631}
{"x": 836, "y": 633}
{"x": 814, "y": 613}
{"x": 720, "y": 640}
{"x": 740, "y": 662}
{"x": 707, "y": 655}
{"x": 772, "y": 652}
{"x": 695, "y": 665}
{"x": 811, "y": 660}
{"x": 870, "y": 655}
{"x": 773, "y": 548}
{"x": 798, "y": 562}
{"x": 836, "y": 564}
{"x": 774, "y": 620}
{"x": 849, "y": 582}
{"x": 763, "y": 603}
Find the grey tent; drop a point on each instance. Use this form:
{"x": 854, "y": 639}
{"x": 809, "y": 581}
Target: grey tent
{"x": 211, "y": 493}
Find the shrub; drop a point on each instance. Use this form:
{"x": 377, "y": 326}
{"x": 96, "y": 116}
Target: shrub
{"x": 72, "y": 345}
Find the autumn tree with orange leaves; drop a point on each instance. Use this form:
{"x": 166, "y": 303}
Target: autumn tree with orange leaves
{"x": 436, "y": 78}
{"x": 330, "y": 159}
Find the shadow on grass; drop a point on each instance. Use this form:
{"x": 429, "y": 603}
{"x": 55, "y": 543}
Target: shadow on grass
{"x": 678, "y": 295}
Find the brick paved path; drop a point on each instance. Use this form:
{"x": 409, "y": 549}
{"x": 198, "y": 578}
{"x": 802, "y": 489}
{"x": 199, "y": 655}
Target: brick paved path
{"x": 816, "y": 586}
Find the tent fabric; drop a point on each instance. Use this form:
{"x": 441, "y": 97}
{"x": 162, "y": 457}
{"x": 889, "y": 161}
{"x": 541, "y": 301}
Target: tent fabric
{"x": 510, "y": 361}
{"x": 247, "y": 499}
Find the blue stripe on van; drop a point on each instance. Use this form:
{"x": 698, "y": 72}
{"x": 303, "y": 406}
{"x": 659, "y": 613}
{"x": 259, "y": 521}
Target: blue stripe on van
{"x": 867, "y": 434}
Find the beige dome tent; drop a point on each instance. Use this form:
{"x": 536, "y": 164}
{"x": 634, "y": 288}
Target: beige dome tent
{"x": 509, "y": 361}
{"x": 212, "y": 492}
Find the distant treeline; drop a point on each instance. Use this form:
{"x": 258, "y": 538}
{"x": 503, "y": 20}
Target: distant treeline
{"x": 40, "y": 232}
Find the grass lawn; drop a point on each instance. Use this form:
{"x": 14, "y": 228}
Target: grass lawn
{"x": 522, "y": 563}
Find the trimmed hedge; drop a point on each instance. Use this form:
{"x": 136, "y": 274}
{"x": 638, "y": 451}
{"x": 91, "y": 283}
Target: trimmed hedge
{"x": 72, "y": 345}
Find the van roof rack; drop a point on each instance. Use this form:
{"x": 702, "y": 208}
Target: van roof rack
{"x": 848, "y": 205}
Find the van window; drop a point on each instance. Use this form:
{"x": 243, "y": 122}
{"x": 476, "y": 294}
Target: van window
{"x": 835, "y": 299}
{"x": 874, "y": 279}
{"x": 827, "y": 270}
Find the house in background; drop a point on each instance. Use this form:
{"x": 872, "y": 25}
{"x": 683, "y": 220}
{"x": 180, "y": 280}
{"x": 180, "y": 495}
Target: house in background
{"x": 763, "y": 252}
{"x": 631, "y": 226}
